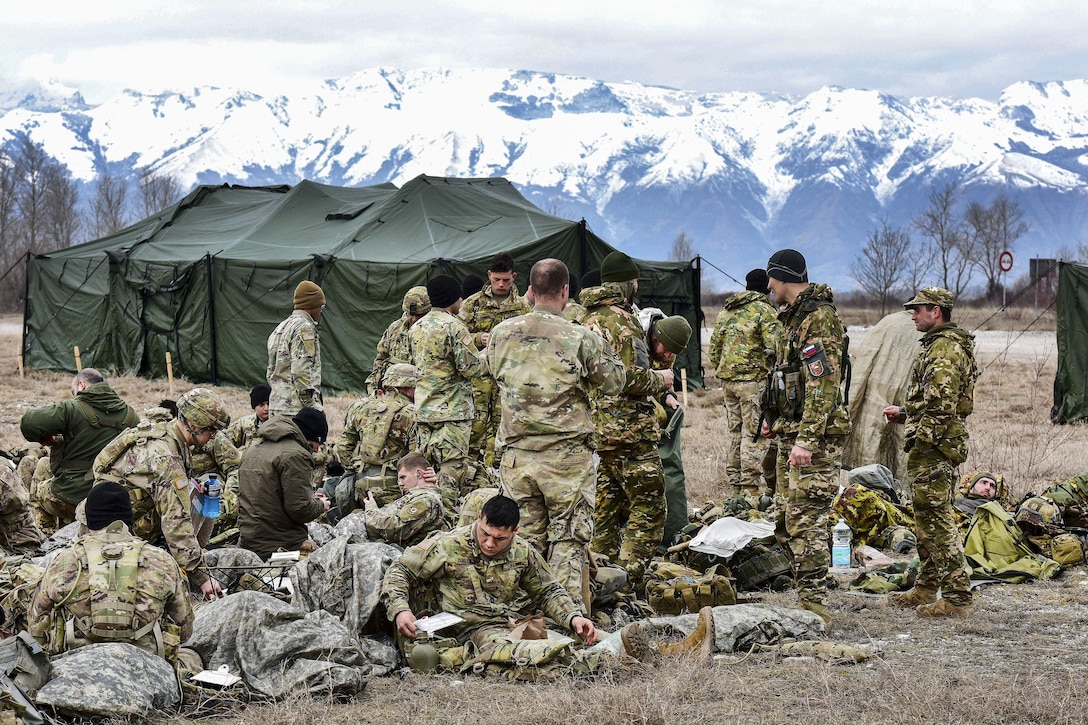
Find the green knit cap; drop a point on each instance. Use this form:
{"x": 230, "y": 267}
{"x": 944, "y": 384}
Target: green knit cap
{"x": 674, "y": 333}
{"x": 618, "y": 267}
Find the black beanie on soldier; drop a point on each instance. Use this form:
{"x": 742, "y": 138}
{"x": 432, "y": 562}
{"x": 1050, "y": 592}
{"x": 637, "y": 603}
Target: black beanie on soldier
{"x": 443, "y": 290}
{"x": 107, "y": 502}
{"x": 471, "y": 284}
{"x": 756, "y": 281}
{"x": 312, "y": 423}
{"x": 259, "y": 394}
{"x": 788, "y": 265}
{"x": 592, "y": 278}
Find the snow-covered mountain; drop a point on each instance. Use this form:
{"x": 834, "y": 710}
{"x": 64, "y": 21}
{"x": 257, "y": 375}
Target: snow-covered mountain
{"x": 741, "y": 173}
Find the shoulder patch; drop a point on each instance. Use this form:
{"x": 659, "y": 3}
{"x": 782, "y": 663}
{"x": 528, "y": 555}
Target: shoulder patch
{"x": 467, "y": 340}
{"x": 181, "y": 483}
{"x": 308, "y": 336}
{"x": 815, "y": 360}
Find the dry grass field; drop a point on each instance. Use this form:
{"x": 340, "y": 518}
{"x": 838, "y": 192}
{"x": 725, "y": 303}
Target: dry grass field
{"x": 1020, "y": 659}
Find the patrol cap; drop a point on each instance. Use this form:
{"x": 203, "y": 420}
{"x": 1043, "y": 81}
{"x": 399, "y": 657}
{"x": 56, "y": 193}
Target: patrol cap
{"x": 308, "y": 296}
{"x": 931, "y": 296}
{"x": 401, "y": 375}
{"x": 674, "y": 333}
{"x": 416, "y": 302}
{"x": 618, "y": 267}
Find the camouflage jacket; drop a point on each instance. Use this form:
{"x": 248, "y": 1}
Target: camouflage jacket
{"x": 626, "y": 417}
{"x": 746, "y": 328}
{"x": 546, "y": 367}
{"x": 242, "y": 432}
{"x": 18, "y": 529}
{"x": 480, "y": 589}
{"x": 941, "y": 393}
{"x": 481, "y": 311}
{"x": 378, "y": 429}
{"x": 812, "y": 346}
{"x": 393, "y": 348}
{"x": 294, "y": 365}
{"x": 152, "y": 462}
{"x": 574, "y": 312}
{"x": 69, "y": 585}
{"x": 442, "y": 349}
{"x": 408, "y": 520}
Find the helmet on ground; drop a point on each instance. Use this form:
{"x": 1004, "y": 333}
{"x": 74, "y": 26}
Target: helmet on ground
{"x": 201, "y": 408}
{"x": 1038, "y": 512}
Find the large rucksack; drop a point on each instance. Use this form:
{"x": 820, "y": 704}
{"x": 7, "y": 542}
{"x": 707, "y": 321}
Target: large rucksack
{"x": 675, "y": 589}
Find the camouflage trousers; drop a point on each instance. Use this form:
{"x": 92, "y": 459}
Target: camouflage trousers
{"x": 940, "y": 546}
{"x": 555, "y": 490}
{"x": 743, "y": 463}
{"x": 50, "y": 511}
{"x": 446, "y": 446}
{"x": 629, "y": 516}
{"x": 486, "y": 420}
{"x": 527, "y": 659}
{"x": 803, "y": 500}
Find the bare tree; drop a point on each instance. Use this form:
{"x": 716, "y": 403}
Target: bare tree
{"x": 995, "y": 229}
{"x": 883, "y": 262}
{"x": 31, "y": 162}
{"x": 950, "y": 245}
{"x": 8, "y": 217}
{"x": 110, "y": 204}
{"x": 683, "y": 248}
{"x": 63, "y": 219}
{"x": 157, "y": 191}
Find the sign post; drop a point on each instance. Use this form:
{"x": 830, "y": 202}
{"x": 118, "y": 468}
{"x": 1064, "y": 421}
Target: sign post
{"x": 1005, "y": 263}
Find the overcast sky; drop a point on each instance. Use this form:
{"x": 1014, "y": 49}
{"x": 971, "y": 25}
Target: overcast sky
{"x": 905, "y": 47}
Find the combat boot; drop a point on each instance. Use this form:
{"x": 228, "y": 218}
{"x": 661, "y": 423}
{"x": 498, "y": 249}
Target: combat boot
{"x": 945, "y": 608}
{"x": 701, "y": 639}
{"x": 819, "y": 610}
{"x": 911, "y": 598}
{"x": 636, "y": 644}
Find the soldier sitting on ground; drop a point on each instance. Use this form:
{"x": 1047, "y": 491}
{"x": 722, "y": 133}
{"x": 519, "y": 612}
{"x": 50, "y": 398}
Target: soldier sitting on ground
{"x": 412, "y": 517}
{"x": 19, "y": 532}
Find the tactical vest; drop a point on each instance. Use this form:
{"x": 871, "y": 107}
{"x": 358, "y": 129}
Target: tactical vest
{"x": 374, "y": 436}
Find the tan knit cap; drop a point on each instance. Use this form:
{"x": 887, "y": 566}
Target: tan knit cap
{"x": 308, "y": 296}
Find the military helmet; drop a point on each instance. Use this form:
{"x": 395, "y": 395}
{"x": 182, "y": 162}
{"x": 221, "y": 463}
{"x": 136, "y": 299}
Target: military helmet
{"x": 416, "y": 302}
{"x": 401, "y": 375}
{"x": 1038, "y": 512}
{"x": 201, "y": 408}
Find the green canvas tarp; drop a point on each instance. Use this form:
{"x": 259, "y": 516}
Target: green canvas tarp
{"x": 209, "y": 278}
{"x": 1071, "y": 382}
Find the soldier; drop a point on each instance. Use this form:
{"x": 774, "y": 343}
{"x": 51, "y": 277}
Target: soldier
{"x": 111, "y": 586}
{"x": 573, "y": 311}
{"x": 19, "y": 532}
{"x": 810, "y": 421}
{"x": 629, "y": 515}
{"x": 394, "y": 346}
{"x": 75, "y": 430}
{"x": 545, "y": 368}
{"x": 745, "y": 331}
{"x": 447, "y": 359}
{"x": 378, "y": 431}
{"x": 152, "y": 461}
{"x": 294, "y": 355}
{"x": 275, "y": 496}
{"x": 242, "y": 431}
{"x": 940, "y": 396}
{"x": 415, "y": 515}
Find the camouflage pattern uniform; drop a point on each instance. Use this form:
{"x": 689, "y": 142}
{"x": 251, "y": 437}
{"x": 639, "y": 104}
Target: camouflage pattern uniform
{"x": 152, "y": 462}
{"x": 223, "y": 459}
{"x": 573, "y": 312}
{"x": 408, "y": 520}
{"x": 73, "y": 584}
{"x": 811, "y": 349}
{"x": 19, "y": 531}
{"x": 940, "y": 396}
{"x": 378, "y": 432}
{"x": 242, "y": 432}
{"x": 480, "y": 313}
{"x": 484, "y": 591}
{"x": 294, "y": 365}
{"x": 629, "y": 516}
{"x": 393, "y": 348}
{"x": 746, "y": 328}
{"x": 873, "y": 519}
{"x": 545, "y": 368}
{"x": 442, "y": 349}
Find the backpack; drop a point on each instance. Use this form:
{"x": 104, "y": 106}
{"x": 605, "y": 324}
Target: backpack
{"x": 675, "y": 589}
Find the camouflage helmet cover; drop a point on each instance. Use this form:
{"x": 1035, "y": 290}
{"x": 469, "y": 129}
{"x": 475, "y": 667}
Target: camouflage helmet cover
{"x": 416, "y": 302}
{"x": 201, "y": 408}
{"x": 1038, "y": 512}
{"x": 401, "y": 375}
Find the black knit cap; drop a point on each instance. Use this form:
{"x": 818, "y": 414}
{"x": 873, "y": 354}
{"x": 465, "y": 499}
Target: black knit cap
{"x": 592, "y": 278}
{"x": 259, "y": 394}
{"x": 471, "y": 284}
{"x": 443, "y": 290}
{"x": 756, "y": 281}
{"x": 313, "y": 424}
{"x": 107, "y": 502}
{"x": 788, "y": 265}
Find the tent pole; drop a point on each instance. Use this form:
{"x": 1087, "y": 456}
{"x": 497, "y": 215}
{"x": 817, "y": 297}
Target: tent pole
{"x": 582, "y": 237}
{"x": 211, "y": 320}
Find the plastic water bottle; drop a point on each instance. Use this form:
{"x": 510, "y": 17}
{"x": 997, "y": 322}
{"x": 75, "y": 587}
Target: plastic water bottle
{"x": 840, "y": 545}
{"x": 213, "y": 489}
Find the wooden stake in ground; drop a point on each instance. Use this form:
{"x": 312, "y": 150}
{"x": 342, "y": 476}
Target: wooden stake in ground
{"x": 79, "y": 361}
{"x": 684, "y": 384}
{"x": 170, "y": 372}
{"x": 21, "y": 373}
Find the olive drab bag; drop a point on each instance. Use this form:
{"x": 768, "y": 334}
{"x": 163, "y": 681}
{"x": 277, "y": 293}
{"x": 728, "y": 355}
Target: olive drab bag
{"x": 675, "y": 589}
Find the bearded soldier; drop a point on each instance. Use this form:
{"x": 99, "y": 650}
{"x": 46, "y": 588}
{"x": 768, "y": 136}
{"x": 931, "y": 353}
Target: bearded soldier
{"x": 294, "y": 355}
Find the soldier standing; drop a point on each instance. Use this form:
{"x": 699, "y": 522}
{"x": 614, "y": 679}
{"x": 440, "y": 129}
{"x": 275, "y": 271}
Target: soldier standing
{"x": 545, "y": 368}
{"x": 811, "y": 421}
{"x": 394, "y": 347}
{"x": 497, "y": 301}
{"x": 629, "y": 515}
{"x": 940, "y": 396}
{"x": 747, "y": 329}
{"x": 442, "y": 349}
{"x": 294, "y": 355}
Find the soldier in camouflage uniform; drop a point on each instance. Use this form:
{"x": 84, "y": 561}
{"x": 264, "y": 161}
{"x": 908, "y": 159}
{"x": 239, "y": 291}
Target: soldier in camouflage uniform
{"x": 546, "y": 368}
{"x": 448, "y": 361}
{"x": 111, "y": 587}
{"x": 939, "y": 399}
{"x": 378, "y": 431}
{"x": 747, "y": 329}
{"x": 294, "y": 355}
{"x": 810, "y": 422}
{"x": 573, "y": 311}
{"x": 394, "y": 346}
{"x": 415, "y": 515}
{"x": 629, "y": 516}
{"x": 242, "y": 431}
{"x": 497, "y": 301}
{"x": 152, "y": 461}
{"x": 19, "y": 532}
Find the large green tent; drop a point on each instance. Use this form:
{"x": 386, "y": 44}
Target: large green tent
{"x": 1071, "y": 382}
{"x": 208, "y": 278}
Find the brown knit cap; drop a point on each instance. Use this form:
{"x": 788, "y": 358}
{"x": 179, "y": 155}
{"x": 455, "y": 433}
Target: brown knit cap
{"x": 308, "y": 296}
